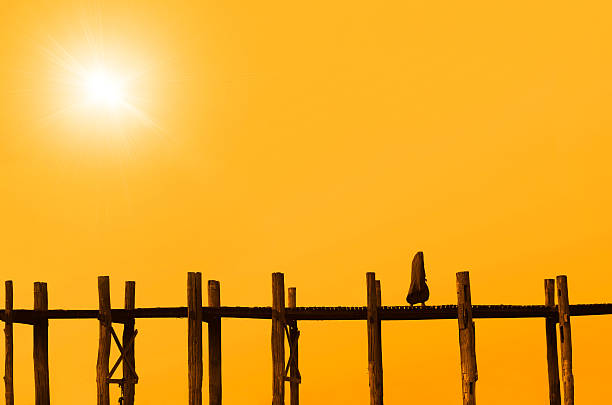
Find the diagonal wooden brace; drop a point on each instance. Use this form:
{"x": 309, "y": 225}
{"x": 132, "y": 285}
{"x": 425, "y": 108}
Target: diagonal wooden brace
{"x": 292, "y": 350}
{"x": 122, "y": 356}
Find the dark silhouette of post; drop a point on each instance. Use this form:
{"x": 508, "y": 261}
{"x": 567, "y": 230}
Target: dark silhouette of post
{"x": 128, "y": 331}
{"x": 278, "y": 339}
{"x": 294, "y": 377}
{"x": 374, "y": 344}
{"x": 554, "y": 389}
{"x": 41, "y": 347}
{"x": 194, "y": 343}
{"x": 104, "y": 342}
{"x": 469, "y": 372}
{"x": 565, "y": 334}
{"x": 214, "y": 345}
{"x": 9, "y": 393}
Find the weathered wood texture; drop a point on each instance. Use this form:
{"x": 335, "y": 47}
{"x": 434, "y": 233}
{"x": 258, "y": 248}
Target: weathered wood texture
{"x": 41, "y": 348}
{"x": 194, "y": 343}
{"x": 278, "y": 339}
{"x": 9, "y": 393}
{"x": 294, "y": 377}
{"x": 129, "y": 379}
{"x": 214, "y": 345}
{"x": 104, "y": 341}
{"x": 467, "y": 334}
{"x": 554, "y": 390}
{"x": 565, "y": 334}
{"x": 374, "y": 357}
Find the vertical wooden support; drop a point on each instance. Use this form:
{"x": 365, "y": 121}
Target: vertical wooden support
{"x": 469, "y": 372}
{"x": 565, "y": 333}
{"x": 128, "y": 331}
{"x": 41, "y": 347}
{"x": 374, "y": 344}
{"x": 294, "y": 385}
{"x": 104, "y": 340}
{"x": 194, "y": 343}
{"x": 9, "y": 393}
{"x": 379, "y": 373}
{"x": 278, "y": 339}
{"x": 214, "y": 345}
{"x": 554, "y": 390}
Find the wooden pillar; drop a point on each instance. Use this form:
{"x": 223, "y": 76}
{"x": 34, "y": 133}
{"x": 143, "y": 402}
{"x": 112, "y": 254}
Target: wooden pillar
{"x": 565, "y": 333}
{"x": 41, "y": 347}
{"x": 278, "y": 339}
{"x": 128, "y": 331}
{"x": 374, "y": 352}
{"x": 9, "y": 393}
{"x": 294, "y": 384}
{"x": 379, "y": 372}
{"x": 104, "y": 340}
{"x": 214, "y": 345}
{"x": 554, "y": 390}
{"x": 469, "y": 372}
{"x": 194, "y": 342}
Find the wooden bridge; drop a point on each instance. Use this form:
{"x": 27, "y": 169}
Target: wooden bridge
{"x": 284, "y": 326}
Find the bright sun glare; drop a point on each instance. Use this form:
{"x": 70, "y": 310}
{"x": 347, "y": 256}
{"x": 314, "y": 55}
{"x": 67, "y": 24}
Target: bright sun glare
{"x": 103, "y": 88}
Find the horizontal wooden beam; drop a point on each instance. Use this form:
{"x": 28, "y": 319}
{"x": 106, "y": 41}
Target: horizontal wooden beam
{"x": 28, "y": 316}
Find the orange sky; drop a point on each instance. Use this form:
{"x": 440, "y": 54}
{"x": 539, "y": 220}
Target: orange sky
{"x": 320, "y": 139}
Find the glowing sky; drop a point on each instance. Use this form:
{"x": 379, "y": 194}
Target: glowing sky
{"x": 321, "y": 139}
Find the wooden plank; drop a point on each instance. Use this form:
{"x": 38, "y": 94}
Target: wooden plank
{"x": 554, "y": 390}
{"x": 278, "y": 339}
{"x": 374, "y": 357}
{"x": 294, "y": 376}
{"x": 104, "y": 341}
{"x": 129, "y": 387}
{"x": 194, "y": 343}
{"x": 379, "y": 372}
{"x": 9, "y": 393}
{"x": 41, "y": 348}
{"x": 386, "y": 313}
{"x": 469, "y": 372}
{"x": 565, "y": 334}
{"x": 214, "y": 345}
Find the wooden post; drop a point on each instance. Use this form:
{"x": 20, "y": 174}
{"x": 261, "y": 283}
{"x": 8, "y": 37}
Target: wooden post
{"x": 565, "y": 333}
{"x": 379, "y": 372}
{"x": 469, "y": 372}
{"x": 214, "y": 345}
{"x": 294, "y": 385}
{"x": 194, "y": 342}
{"x": 9, "y": 394}
{"x": 128, "y": 331}
{"x": 554, "y": 390}
{"x": 104, "y": 340}
{"x": 278, "y": 339}
{"x": 374, "y": 353}
{"x": 41, "y": 347}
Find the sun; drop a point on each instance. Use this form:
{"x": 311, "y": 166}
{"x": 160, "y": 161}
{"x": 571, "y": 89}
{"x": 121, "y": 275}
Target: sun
{"x": 104, "y": 89}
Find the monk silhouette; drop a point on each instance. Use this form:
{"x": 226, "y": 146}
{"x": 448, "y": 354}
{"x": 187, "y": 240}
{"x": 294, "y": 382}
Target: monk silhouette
{"x": 418, "y": 288}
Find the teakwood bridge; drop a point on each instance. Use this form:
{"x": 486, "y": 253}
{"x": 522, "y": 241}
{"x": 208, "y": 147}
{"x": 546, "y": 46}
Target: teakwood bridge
{"x": 284, "y": 324}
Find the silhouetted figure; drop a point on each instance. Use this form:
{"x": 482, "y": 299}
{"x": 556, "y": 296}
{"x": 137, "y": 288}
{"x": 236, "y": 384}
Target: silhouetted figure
{"x": 418, "y": 288}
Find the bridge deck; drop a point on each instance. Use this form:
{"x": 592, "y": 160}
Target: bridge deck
{"x": 29, "y": 316}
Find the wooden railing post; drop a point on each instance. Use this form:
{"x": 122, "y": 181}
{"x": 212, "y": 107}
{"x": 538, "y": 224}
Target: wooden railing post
{"x": 278, "y": 339}
{"x": 214, "y": 345}
{"x": 469, "y": 372}
{"x": 565, "y": 334}
{"x": 104, "y": 341}
{"x": 194, "y": 343}
{"x": 554, "y": 390}
{"x": 9, "y": 394}
{"x": 294, "y": 376}
{"x": 41, "y": 347}
{"x": 374, "y": 344}
{"x": 128, "y": 331}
